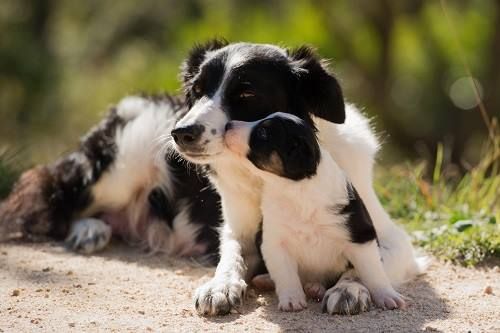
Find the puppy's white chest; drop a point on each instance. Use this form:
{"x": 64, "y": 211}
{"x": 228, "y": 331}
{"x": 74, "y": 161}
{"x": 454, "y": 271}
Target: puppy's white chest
{"x": 315, "y": 241}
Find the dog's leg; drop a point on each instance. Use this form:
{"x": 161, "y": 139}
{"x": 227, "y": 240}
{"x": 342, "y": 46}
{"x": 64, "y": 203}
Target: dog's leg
{"x": 88, "y": 235}
{"x": 283, "y": 269}
{"x": 348, "y": 296}
{"x": 368, "y": 265}
{"x": 227, "y": 288}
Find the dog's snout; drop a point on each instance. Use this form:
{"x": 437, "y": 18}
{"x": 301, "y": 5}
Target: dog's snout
{"x": 187, "y": 135}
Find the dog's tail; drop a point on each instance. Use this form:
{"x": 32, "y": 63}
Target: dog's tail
{"x": 28, "y": 205}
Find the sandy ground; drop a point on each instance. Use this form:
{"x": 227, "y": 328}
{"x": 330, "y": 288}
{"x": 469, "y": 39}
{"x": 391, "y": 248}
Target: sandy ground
{"x": 45, "y": 288}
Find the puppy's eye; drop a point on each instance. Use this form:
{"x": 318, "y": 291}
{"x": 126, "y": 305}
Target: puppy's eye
{"x": 197, "y": 89}
{"x": 247, "y": 94}
{"x": 262, "y": 133}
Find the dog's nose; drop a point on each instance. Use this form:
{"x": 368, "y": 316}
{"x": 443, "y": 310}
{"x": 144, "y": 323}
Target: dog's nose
{"x": 187, "y": 135}
{"x": 229, "y": 125}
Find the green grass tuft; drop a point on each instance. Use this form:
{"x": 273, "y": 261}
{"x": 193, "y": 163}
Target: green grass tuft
{"x": 454, "y": 218}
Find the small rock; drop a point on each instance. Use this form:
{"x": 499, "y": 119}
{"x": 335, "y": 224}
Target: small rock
{"x": 39, "y": 290}
{"x": 488, "y": 290}
{"x": 141, "y": 312}
{"x": 179, "y": 272}
{"x": 71, "y": 324}
{"x": 4, "y": 253}
{"x": 46, "y": 269}
{"x": 15, "y": 292}
{"x": 69, "y": 273}
{"x": 77, "y": 286}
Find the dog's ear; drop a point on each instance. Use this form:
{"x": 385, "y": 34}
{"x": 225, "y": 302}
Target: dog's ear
{"x": 319, "y": 89}
{"x": 191, "y": 65}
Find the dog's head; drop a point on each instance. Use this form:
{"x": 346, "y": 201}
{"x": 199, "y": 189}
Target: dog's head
{"x": 247, "y": 82}
{"x": 281, "y": 144}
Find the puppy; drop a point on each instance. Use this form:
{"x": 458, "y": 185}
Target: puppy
{"x": 315, "y": 225}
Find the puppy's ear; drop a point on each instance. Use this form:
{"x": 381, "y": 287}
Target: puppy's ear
{"x": 191, "y": 65}
{"x": 320, "y": 90}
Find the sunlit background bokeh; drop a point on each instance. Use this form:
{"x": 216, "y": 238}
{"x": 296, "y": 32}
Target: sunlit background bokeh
{"x": 63, "y": 62}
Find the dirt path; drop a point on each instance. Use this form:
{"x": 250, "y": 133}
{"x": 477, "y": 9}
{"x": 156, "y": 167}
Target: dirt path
{"x": 45, "y": 288}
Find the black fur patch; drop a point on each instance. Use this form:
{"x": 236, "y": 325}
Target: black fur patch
{"x": 99, "y": 144}
{"x": 192, "y": 187}
{"x": 285, "y": 147}
{"x": 358, "y": 222}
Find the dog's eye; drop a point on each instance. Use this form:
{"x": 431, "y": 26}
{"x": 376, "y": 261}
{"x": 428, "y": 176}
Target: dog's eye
{"x": 262, "y": 133}
{"x": 247, "y": 94}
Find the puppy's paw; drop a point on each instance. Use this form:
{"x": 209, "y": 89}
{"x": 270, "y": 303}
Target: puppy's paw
{"x": 88, "y": 236}
{"x": 294, "y": 300}
{"x": 388, "y": 299}
{"x": 315, "y": 291}
{"x": 219, "y": 296}
{"x": 347, "y": 297}
{"x": 263, "y": 282}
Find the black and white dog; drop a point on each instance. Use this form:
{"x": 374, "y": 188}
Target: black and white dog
{"x": 247, "y": 82}
{"x": 123, "y": 179}
{"x": 314, "y": 222}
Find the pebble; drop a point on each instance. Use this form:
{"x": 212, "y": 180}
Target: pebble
{"x": 15, "y": 292}
{"x": 488, "y": 290}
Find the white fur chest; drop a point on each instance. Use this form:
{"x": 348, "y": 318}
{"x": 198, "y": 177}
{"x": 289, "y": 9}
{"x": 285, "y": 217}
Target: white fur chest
{"x": 307, "y": 229}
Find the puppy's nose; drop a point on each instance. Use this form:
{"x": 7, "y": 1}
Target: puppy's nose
{"x": 229, "y": 125}
{"x": 187, "y": 135}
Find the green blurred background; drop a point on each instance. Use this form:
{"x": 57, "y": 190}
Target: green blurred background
{"x": 63, "y": 62}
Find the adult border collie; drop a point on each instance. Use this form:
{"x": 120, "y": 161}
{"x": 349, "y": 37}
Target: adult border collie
{"x": 247, "y": 82}
{"x": 123, "y": 179}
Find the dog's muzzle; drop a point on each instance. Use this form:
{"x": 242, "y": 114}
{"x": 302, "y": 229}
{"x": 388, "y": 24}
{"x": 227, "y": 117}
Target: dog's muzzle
{"x": 188, "y": 137}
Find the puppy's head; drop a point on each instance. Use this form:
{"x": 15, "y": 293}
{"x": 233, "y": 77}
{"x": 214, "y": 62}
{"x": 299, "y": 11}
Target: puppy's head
{"x": 247, "y": 82}
{"x": 281, "y": 144}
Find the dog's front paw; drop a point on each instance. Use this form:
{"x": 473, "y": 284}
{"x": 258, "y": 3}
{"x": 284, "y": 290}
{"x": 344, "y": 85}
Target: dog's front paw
{"x": 218, "y": 296}
{"x": 388, "y": 299}
{"x": 292, "y": 300}
{"x": 347, "y": 298}
{"x": 88, "y": 235}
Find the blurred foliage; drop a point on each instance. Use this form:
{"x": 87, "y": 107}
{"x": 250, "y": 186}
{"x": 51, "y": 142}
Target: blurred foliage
{"x": 9, "y": 171}
{"x": 456, "y": 218}
{"x": 62, "y": 62}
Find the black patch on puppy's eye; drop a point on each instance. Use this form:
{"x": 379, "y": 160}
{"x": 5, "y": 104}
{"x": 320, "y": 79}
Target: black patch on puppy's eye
{"x": 261, "y": 133}
{"x": 358, "y": 220}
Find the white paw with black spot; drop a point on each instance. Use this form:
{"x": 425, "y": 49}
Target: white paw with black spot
{"x": 292, "y": 300}
{"x": 347, "y": 297}
{"x": 389, "y": 299}
{"x": 88, "y": 235}
{"x": 219, "y": 296}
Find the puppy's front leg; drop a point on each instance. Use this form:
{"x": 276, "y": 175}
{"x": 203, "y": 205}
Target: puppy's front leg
{"x": 368, "y": 264}
{"x": 284, "y": 272}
